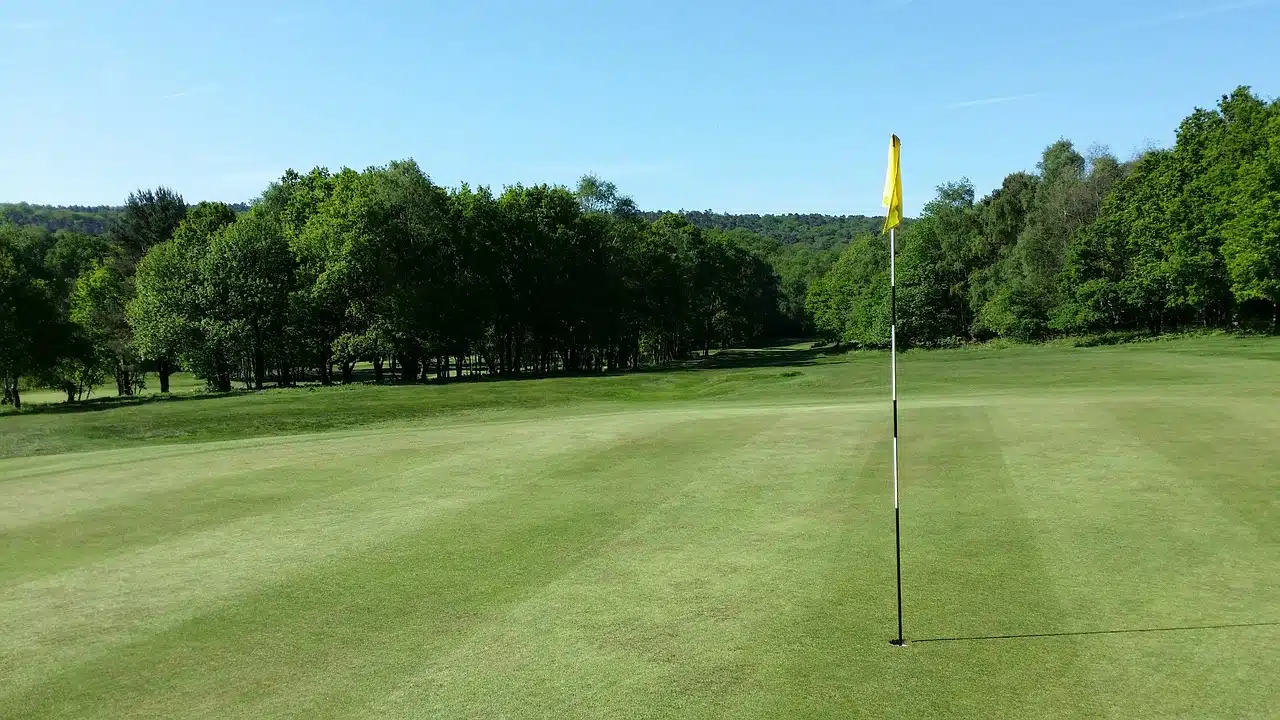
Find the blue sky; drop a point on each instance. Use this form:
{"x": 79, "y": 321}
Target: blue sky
{"x": 733, "y": 106}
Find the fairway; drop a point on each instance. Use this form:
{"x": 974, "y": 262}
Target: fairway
{"x": 1087, "y": 532}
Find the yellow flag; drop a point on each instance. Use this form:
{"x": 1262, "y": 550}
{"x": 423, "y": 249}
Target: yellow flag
{"x": 893, "y": 186}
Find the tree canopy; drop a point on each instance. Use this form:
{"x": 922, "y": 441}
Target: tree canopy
{"x": 1176, "y": 238}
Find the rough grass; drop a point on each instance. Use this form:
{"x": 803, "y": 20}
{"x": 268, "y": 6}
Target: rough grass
{"x": 712, "y": 542}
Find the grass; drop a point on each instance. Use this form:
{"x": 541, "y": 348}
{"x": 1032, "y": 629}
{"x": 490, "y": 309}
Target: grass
{"x": 712, "y": 542}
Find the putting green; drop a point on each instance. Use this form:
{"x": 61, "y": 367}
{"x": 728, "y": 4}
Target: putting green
{"x": 708, "y": 543}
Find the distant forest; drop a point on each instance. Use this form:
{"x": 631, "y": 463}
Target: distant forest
{"x": 329, "y": 269}
{"x": 820, "y": 232}
{"x": 87, "y": 219}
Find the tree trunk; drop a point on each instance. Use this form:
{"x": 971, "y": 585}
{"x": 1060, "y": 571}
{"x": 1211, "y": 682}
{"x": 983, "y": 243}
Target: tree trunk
{"x": 164, "y": 368}
{"x": 15, "y": 394}
{"x": 346, "y": 372}
{"x": 377, "y": 370}
{"x": 71, "y": 393}
{"x": 127, "y": 380}
{"x": 410, "y": 368}
{"x": 326, "y": 367}
{"x": 516, "y": 363}
{"x": 259, "y": 368}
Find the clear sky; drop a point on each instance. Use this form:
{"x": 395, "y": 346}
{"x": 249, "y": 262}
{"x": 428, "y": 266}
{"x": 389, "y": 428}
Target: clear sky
{"x": 741, "y": 106}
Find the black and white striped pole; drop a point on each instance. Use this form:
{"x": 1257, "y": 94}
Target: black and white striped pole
{"x": 893, "y": 218}
{"x": 893, "y": 385}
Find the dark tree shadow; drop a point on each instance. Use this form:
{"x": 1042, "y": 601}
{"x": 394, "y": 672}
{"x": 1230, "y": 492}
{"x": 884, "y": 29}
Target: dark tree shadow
{"x": 1099, "y": 632}
{"x": 112, "y": 403}
{"x": 768, "y": 357}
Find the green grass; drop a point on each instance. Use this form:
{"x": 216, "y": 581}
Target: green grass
{"x": 697, "y": 543}
{"x": 179, "y": 384}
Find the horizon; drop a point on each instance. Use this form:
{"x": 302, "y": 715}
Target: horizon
{"x": 727, "y": 107}
{"x": 250, "y": 202}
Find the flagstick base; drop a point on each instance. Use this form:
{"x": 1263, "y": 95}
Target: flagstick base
{"x": 898, "y": 643}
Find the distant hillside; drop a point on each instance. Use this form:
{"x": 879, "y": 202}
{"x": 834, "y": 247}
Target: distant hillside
{"x": 90, "y": 219}
{"x": 800, "y": 247}
{"x": 820, "y": 232}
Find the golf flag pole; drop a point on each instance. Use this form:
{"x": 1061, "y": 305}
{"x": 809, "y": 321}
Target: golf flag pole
{"x": 893, "y": 201}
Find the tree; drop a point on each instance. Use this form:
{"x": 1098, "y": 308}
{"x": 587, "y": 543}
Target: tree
{"x": 80, "y": 368}
{"x": 1028, "y": 226}
{"x": 378, "y": 257}
{"x": 1189, "y": 236}
{"x": 480, "y": 282}
{"x": 934, "y": 268}
{"x": 1251, "y": 238}
{"x": 320, "y": 299}
{"x": 1003, "y": 216}
{"x": 850, "y": 303}
{"x": 165, "y": 313}
{"x": 161, "y": 314}
{"x": 596, "y": 195}
{"x": 33, "y": 334}
{"x": 98, "y": 308}
{"x": 1118, "y": 268}
{"x": 246, "y": 276}
{"x": 149, "y": 218}
{"x": 72, "y": 253}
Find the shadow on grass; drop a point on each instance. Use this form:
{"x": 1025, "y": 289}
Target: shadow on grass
{"x": 1099, "y": 632}
{"x": 769, "y": 357}
{"x": 776, "y": 357}
{"x": 762, "y": 358}
{"x": 111, "y": 403}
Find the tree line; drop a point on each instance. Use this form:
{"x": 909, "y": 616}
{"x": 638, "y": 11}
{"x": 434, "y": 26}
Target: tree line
{"x": 327, "y": 270}
{"x": 800, "y": 247}
{"x": 1177, "y": 238}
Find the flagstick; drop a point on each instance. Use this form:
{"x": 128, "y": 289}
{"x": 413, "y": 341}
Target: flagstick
{"x": 893, "y": 384}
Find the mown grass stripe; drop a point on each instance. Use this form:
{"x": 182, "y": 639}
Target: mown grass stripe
{"x": 1133, "y": 542}
{"x": 94, "y": 607}
{"x": 410, "y": 593}
{"x": 1232, "y": 452}
{"x": 686, "y": 611}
